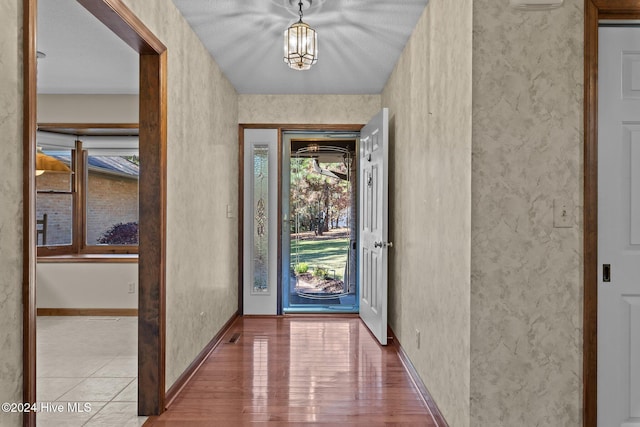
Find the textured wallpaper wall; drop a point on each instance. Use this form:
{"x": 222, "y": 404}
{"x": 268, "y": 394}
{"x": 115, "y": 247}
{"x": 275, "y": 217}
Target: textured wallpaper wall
{"x": 58, "y": 108}
{"x": 313, "y": 109}
{"x": 202, "y": 171}
{"x": 429, "y": 96}
{"x": 526, "y": 300}
{"x": 11, "y": 208}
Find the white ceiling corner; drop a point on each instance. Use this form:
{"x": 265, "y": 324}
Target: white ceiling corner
{"x": 83, "y": 55}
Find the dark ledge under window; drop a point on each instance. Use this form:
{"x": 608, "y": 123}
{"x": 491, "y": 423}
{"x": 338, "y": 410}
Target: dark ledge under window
{"x": 90, "y": 258}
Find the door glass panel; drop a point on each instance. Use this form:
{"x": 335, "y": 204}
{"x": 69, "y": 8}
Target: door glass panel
{"x": 320, "y": 238}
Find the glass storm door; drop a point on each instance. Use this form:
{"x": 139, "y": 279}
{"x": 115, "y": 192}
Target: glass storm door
{"x": 319, "y": 228}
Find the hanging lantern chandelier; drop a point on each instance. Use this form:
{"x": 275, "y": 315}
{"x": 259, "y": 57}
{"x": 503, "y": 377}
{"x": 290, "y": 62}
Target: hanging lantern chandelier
{"x": 300, "y": 44}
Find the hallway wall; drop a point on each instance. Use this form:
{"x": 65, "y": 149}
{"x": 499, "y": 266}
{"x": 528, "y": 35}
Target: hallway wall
{"x": 95, "y": 108}
{"x": 526, "y": 282}
{"x": 303, "y": 109}
{"x": 87, "y": 285}
{"x": 202, "y": 166}
{"x": 429, "y": 96}
{"x": 11, "y": 210}
{"x": 526, "y": 298}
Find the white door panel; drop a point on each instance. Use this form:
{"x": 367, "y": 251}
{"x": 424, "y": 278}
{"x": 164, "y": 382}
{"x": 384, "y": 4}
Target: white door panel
{"x": 373, "y": 219}
{"x": 619, "y": 227}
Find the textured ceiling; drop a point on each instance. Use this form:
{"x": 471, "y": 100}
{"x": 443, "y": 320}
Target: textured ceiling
{"x": 359, "y": 42}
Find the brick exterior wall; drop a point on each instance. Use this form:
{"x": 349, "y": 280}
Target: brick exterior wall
{"x": 57, "y": 207}
{"x": 111, "y": 200}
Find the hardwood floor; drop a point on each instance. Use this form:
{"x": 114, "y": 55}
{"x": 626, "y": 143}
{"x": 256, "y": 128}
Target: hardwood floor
{"x": 298, "y": 370}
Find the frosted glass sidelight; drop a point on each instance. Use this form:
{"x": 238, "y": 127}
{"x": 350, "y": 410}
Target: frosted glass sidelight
{"x": 260, "y": 219}
{"x": 260, "y": 224}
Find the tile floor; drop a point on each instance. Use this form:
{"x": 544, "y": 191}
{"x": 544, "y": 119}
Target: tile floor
{"x": 90, "y": 360}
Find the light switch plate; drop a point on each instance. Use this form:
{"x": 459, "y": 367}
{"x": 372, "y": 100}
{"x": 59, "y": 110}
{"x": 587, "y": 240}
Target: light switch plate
{"x": 563, "y": 213}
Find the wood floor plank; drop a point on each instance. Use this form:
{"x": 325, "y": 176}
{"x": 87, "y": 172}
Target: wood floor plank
{"x": 311, "y": 371}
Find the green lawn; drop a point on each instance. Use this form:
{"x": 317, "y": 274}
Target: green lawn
{"x": 330, "y": 254}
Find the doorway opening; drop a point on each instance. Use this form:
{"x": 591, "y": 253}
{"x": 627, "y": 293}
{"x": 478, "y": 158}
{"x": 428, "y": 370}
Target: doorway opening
{"x": 266, "y": 229}
{"x": 152, "y": 200}
{"x": 320, "y": 224}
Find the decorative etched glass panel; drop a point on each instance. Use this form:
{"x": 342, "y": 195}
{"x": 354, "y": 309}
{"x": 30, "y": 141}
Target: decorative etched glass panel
{"x": 260, "y": 219}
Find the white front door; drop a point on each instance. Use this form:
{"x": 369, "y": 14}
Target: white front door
{"x": 619, "y": 227}
{"x": 373, "y": 220}
{"x": 260, "y": 243}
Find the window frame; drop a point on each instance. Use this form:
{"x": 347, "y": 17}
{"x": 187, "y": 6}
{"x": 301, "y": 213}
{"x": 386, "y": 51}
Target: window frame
{"x": 44, "y": 250}
{"x": 79, "y": 188}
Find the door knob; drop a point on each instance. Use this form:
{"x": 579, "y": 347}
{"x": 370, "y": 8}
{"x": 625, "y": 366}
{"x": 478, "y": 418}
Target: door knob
{"x": 383, "y": 244}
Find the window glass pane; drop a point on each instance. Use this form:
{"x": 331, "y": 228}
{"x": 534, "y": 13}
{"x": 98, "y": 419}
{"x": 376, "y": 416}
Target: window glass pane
{"x": 112, "y": 199}
{"x": 261, "y": 219}
{"x": 54, "y": 219}
{"x": 53, "y": 170}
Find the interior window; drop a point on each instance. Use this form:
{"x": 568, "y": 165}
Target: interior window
{"x": 55, "y": 194}
{"x": 87, "y": 194}
{"x": 112, "y": 199}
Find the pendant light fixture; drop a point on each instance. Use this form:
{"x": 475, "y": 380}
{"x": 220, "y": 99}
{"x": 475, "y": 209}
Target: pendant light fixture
{"x": 300, "y": 43}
